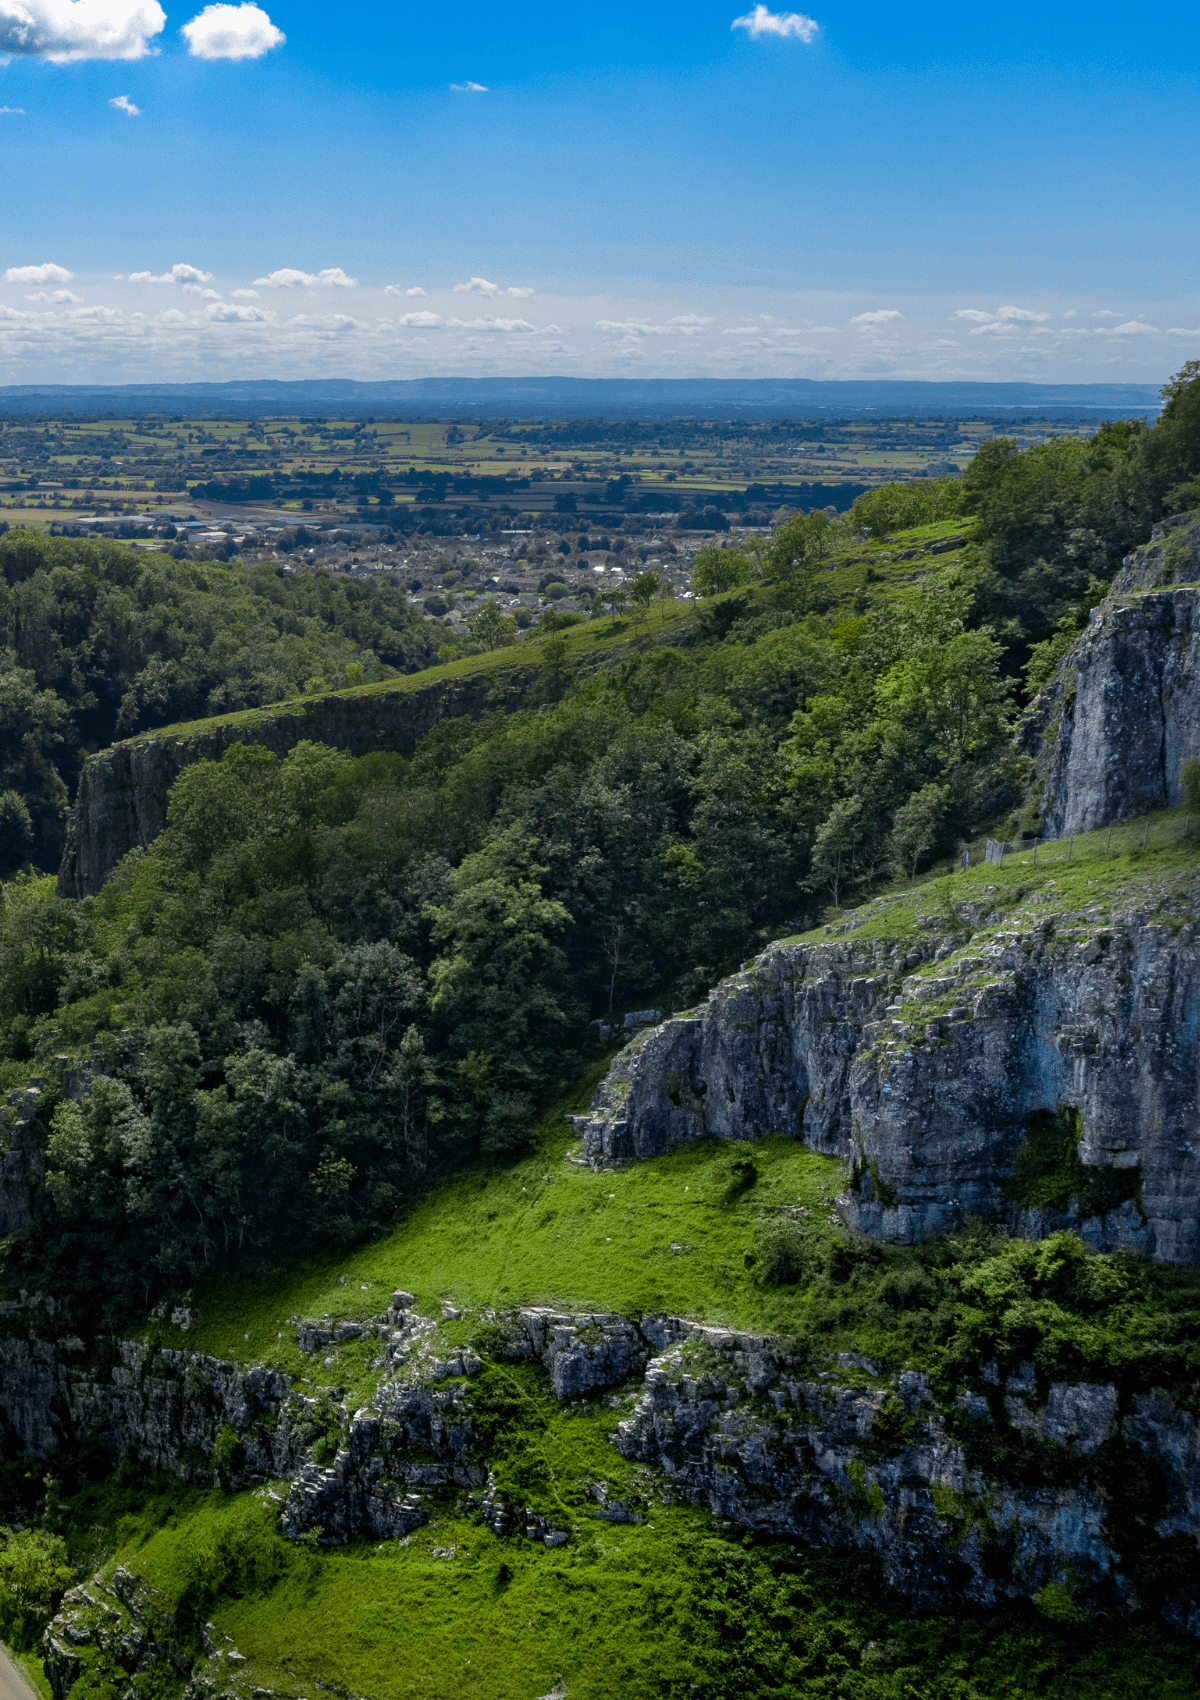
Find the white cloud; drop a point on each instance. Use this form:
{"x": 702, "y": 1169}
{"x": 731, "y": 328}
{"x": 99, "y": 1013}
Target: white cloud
{"x": 468, "y": 88}
{"x": 425, "y": 321}
{"x": 395, "y": 289}
{"x": 1105, "y": 313}
{"x": 333, "y": 277}
{"x": 123, "y": 103}
{"x": 12, "y": 112}
{"x": 1072, "y": 314}
{"x": 481, "y": 286}
{"x": 325, "y": 322}
{"x": 881, "y": 316}
{"x": 1177, "y": 330}
{"x": 1002, "y": 316}
{"x": 760, "y": 22}
{"x": 232, "y": 312}
{"x": 230, "y": 32}
{"x": 46, "y": 273}
{"x": 65, "y": 31}
{"x": 197, "y": 289}
{"x": 994, "y": 327}
{"x": 244, "y": 294}
{"x": 1132, "y": 327}
{"x": 59, "y": 295}
{"x": 177, "y": 274}
{"x": 491, "y": 324}
{"x": 690, "y": 319}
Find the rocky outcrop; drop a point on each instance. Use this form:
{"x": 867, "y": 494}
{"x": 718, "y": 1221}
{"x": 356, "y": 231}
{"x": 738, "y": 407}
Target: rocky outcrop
{"x": 123, "y": 792}
{"x": 744, "y": 1426}
{"x": 736, "y": 1425}
{"x": 923, "y": 1068}
{"x": 22, "y": 1156}
{"x": 1123, "y": 710}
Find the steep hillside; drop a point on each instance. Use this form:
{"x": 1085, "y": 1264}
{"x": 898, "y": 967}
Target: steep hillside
{"x": 431, "y": 1263}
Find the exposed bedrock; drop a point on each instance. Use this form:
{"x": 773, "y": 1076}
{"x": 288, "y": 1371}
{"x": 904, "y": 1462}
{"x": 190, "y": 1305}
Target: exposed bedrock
{"x": 734, "y": 1422}
{"x": 1123, "y": 710}
{"x": 123, "y": 791}
{"x": 925, "y": 1083}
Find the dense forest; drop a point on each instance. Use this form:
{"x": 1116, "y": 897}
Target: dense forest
{"x": 330, "y": 977}
{"x": 100, "y": 641}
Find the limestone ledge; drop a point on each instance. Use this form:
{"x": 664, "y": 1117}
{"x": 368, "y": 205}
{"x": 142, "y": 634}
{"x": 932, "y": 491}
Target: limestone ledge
{"x": 723, "y": 1419}
{"x": 123, "y": 791}
{"x": 920, "y": 1067}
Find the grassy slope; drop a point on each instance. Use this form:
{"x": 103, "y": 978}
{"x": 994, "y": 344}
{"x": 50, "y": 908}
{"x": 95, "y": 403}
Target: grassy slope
{"x": 668, "y": 1608}
{"x": 673, "y": 1233}
{"x": 673, "y": 1606}
{"x": 596, "y": 639}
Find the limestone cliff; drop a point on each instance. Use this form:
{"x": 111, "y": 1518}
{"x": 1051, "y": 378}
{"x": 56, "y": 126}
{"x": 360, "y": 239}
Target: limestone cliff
{"x": 1123, "y": 710}
{"x": 923, "y": 1065}
{"x": 123, "y": 791}
{"x": 765, "y": 1439}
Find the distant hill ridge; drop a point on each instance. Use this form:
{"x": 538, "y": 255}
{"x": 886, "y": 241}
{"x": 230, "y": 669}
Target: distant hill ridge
{"x": 558, "y": 397}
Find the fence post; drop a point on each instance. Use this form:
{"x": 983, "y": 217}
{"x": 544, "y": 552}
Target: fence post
{"x": 1036, "y": 842}
{"x": 1108, "y": 841}
{"x": 1003, "y": 848}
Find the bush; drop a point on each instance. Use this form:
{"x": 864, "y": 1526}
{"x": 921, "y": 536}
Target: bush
{"x": 784, "y": 1253}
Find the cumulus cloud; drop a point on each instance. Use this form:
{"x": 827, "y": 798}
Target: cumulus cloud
{"x": 1105, "y": 313}
{"x": 1131, "y": 327}
{"x": 881, "y": 316}
{"x": 481, "y": 286}
{"x": 46, "y": 273}
{"x": 760, "y": 22}
{"x": 65, "y": 31}
{"x": 230, "y": 32}
{"x": 420, "y": 321}
{"x": 12, "y": 112}
{"x": 177, "y": 274}
{"x": 333, "y": 277}
{"x": 696, "y": 319}
{"x": 59, "y": 295}
{"x": 232, "y": 312}
{"x": 244, "y": 294}
{"x": 395, "y": 289}
{"x": 468, "y": 88}
{"x": 206, "y": 294}
{"x": 491, "y": 324}
{"x": 123, "y": 103}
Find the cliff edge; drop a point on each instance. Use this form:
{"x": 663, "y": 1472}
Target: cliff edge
{"x": 1122, "y": 712}
{"x": 959, "y": 1072}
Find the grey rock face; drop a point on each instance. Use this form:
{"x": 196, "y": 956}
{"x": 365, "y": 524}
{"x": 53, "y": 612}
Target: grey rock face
{"x": 725, "y": 1419}
{"x": 1123, "y": 711}
{"x": 584, "y": 1353}
{"x": 736, "y": 1428}
{"x": 924, "y": 1083}
{"x": 22, "y": 1159}
{"x": 123, "y": 791}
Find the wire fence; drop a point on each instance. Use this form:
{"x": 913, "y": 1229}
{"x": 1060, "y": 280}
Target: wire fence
{"x": 1145, "y": 833}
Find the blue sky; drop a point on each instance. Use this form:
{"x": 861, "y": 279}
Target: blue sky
{"x": 867, "y": 191}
